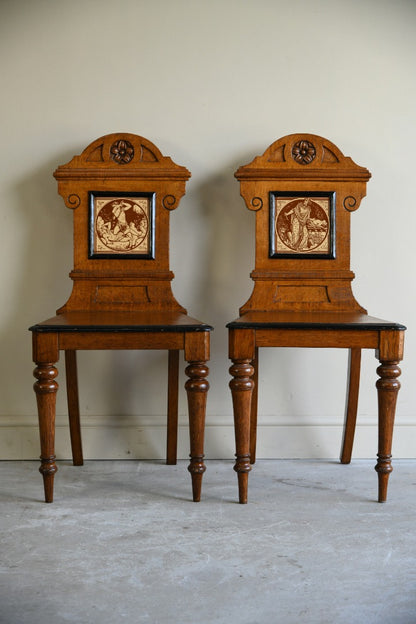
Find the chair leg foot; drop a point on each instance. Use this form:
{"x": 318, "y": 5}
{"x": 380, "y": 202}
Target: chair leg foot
{"x": 48, "y": 469}
{"x": 196, "y": 470}
{"x": 242, "y": 469}
{"x": 384, "y": 469}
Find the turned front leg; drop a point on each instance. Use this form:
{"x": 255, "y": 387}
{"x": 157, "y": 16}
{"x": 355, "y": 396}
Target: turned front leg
{"x": 197, "y": 387}
{"x": 388, "y": 387}
{"x": 46, "y": 388}
{"x": 241, "y": 389}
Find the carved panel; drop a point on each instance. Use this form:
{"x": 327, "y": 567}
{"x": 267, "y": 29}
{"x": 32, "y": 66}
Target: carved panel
{"x": 122, "y": 295}
{"x": 301, "y": 294}
{"x": 147, "y": 155}
{"x": 329, "y": 156}
{"x": 278, "y": 155}
{"x": 96, "y": 155}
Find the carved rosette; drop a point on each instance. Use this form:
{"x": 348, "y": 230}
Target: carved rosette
{"x": 303, "y": 152}
{"x": 122, "y": 152}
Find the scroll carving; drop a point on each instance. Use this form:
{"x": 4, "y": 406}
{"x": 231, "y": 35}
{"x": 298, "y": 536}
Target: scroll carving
{"x": 303, "y": 152}
{"x": 73, "y": 201}
{"x": 169, "y": 202}
{"x": 122, "y": 152}
{"x": 256, "y": 203}
{"x": 350, "y": 203}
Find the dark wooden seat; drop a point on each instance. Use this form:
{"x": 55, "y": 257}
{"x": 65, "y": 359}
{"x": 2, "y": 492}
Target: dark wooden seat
{"x": 122, "y": 190}
{"x": 303, "y": 190}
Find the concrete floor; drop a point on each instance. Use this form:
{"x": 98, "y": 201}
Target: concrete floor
{"x": 124, "y": 543}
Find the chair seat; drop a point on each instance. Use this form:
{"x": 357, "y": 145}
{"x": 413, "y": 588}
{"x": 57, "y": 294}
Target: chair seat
{"x": 312, "y": 320}
{"x": 87, "y": 321}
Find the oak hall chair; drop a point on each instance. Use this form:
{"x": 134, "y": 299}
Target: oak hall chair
{"x": 303, "y": 190}
{"x": 121, "y": 190}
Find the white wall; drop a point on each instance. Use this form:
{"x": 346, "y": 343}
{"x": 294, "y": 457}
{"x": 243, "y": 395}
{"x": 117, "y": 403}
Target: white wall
{"x": 212, "y": 84}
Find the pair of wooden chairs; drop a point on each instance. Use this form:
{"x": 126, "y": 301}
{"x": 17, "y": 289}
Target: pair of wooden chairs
{"x": 122, "y": 189}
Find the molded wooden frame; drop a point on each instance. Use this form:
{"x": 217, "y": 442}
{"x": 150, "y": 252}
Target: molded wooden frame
{"x": 296, "y": 195}
{"x": 150, "y": 251}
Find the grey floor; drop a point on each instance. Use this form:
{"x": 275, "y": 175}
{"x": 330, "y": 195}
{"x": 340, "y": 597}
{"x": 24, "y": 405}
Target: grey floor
{"x": 124, "y": 543}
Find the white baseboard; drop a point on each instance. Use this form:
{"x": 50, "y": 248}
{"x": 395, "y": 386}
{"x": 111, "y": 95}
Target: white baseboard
{"x": 132, "y": 437}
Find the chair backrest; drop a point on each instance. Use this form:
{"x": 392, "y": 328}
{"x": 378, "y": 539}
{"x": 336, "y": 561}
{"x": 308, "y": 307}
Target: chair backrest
{"x": 303, "y": 190}
{"x": 121, "y": 189}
